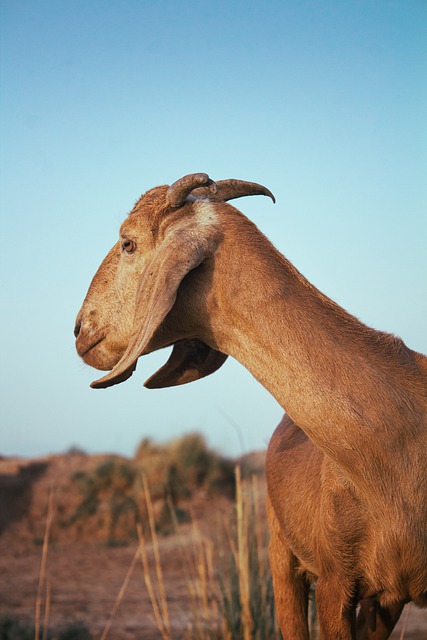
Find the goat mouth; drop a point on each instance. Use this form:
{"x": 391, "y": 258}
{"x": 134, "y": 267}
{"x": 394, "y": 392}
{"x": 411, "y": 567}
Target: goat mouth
{"x": 84, "y": 350}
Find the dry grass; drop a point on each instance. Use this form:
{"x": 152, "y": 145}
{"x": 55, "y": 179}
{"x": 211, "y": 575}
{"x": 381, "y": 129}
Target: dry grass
{"x": 226, "y": 573}
{"x": 43, "y": 573}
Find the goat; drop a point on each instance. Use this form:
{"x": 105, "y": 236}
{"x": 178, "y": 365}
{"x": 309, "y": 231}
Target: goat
{"x": 347, "y": 487}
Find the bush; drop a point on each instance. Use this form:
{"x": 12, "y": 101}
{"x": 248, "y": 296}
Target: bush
{"x": 74, "y": 450}
{"x": 192, "y": 458}
{"x": 111, "y": 487}
{"x": 114, "y": 474}
{"x": 221, "y": 479}
{"x": 153, "y": 461}
{"x": 11, "y": 628}
{"x": 173, "y": 471}
{"x": 198, "y": 466}
{"x": 90, "y": 501}
{"x": 182, "y": 466}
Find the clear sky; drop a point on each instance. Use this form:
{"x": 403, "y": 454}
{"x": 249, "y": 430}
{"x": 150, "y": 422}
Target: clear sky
{"x": 322, "y": 101}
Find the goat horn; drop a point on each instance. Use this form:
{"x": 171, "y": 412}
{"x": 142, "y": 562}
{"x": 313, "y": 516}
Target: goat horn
{"x": 229, "y": 189}
{"x": 179, "y": 190}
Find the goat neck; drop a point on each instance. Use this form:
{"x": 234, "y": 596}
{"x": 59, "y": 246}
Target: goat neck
{"x": 317, "y": 360}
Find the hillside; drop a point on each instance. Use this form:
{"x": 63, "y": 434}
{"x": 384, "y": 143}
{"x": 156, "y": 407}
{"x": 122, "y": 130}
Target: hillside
{"x": 96, "y": 504}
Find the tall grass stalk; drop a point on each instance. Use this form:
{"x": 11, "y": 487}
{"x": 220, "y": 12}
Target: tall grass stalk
{"x": 202, "y": 584}
{"x": 43, "y": 570}
{"x": 242, "y": 558}
{"x": 159, "y": 573}
{"x": 150, "y": 587}
{"x": 120, "y": 594}
{"x": 47, "y": 608}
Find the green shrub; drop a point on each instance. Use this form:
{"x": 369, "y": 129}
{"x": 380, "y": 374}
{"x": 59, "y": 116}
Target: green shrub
{"x": 193, "y": 458}
{"x": 115, "y": 474}
{"x": 112, "y": 482}
{"x": 199, "y": 466}
{"x": 221, "y": 479}
{"x": 90, "y": 501}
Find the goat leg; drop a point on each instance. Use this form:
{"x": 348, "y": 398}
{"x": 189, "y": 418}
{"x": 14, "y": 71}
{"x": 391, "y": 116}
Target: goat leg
{"x": 335, "y": 609}
{"x": 291, "y": 588}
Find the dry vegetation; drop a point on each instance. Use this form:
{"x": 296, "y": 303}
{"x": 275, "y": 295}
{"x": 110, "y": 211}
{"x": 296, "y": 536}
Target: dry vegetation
{"x": 196, "y": 536}
{"x": 171, "y": 544}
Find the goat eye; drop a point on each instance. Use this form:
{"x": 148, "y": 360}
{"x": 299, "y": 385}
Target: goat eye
{"x": 129, "y": 246}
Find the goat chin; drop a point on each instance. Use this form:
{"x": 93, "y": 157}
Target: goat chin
{"x": 98, "y": 354}
{"x": 347, "y": 487}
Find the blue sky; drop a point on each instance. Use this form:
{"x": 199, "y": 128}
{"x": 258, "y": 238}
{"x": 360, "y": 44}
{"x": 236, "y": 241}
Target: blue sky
{"x": 323, "y": 101}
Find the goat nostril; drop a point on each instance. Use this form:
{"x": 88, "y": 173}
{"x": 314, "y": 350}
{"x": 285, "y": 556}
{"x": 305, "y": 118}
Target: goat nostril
{"x": 77, "y": 328}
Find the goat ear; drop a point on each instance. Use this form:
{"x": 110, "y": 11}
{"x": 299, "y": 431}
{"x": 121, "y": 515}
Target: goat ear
{"x": 189, "y": 361}
{"x": 181, "y": 251}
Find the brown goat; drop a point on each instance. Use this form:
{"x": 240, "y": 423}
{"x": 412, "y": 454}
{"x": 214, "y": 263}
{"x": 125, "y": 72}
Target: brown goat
{"x": 348, "y": 486}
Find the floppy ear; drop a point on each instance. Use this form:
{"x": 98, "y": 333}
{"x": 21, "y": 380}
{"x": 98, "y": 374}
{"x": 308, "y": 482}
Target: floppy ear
{"x": 183, "y": 249}
{"x": 189, "y": 361}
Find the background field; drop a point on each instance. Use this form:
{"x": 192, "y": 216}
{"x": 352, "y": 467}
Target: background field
{"x": 89, "y": 555}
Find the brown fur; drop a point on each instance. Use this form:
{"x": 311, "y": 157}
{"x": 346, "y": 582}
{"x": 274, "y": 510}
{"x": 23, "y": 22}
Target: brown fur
{"x": 348, "y": 486}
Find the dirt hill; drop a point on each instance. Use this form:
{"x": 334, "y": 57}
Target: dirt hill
{"x": 93, "y": 554}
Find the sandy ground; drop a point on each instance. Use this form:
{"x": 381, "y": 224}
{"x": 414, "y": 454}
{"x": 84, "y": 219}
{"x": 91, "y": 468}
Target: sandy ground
{"x": 86, "y": 578}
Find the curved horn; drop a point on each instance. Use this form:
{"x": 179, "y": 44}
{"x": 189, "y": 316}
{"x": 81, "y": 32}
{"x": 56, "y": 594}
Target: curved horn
{"x": 229, "y": 189}
{"x": 179, "y": 190}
